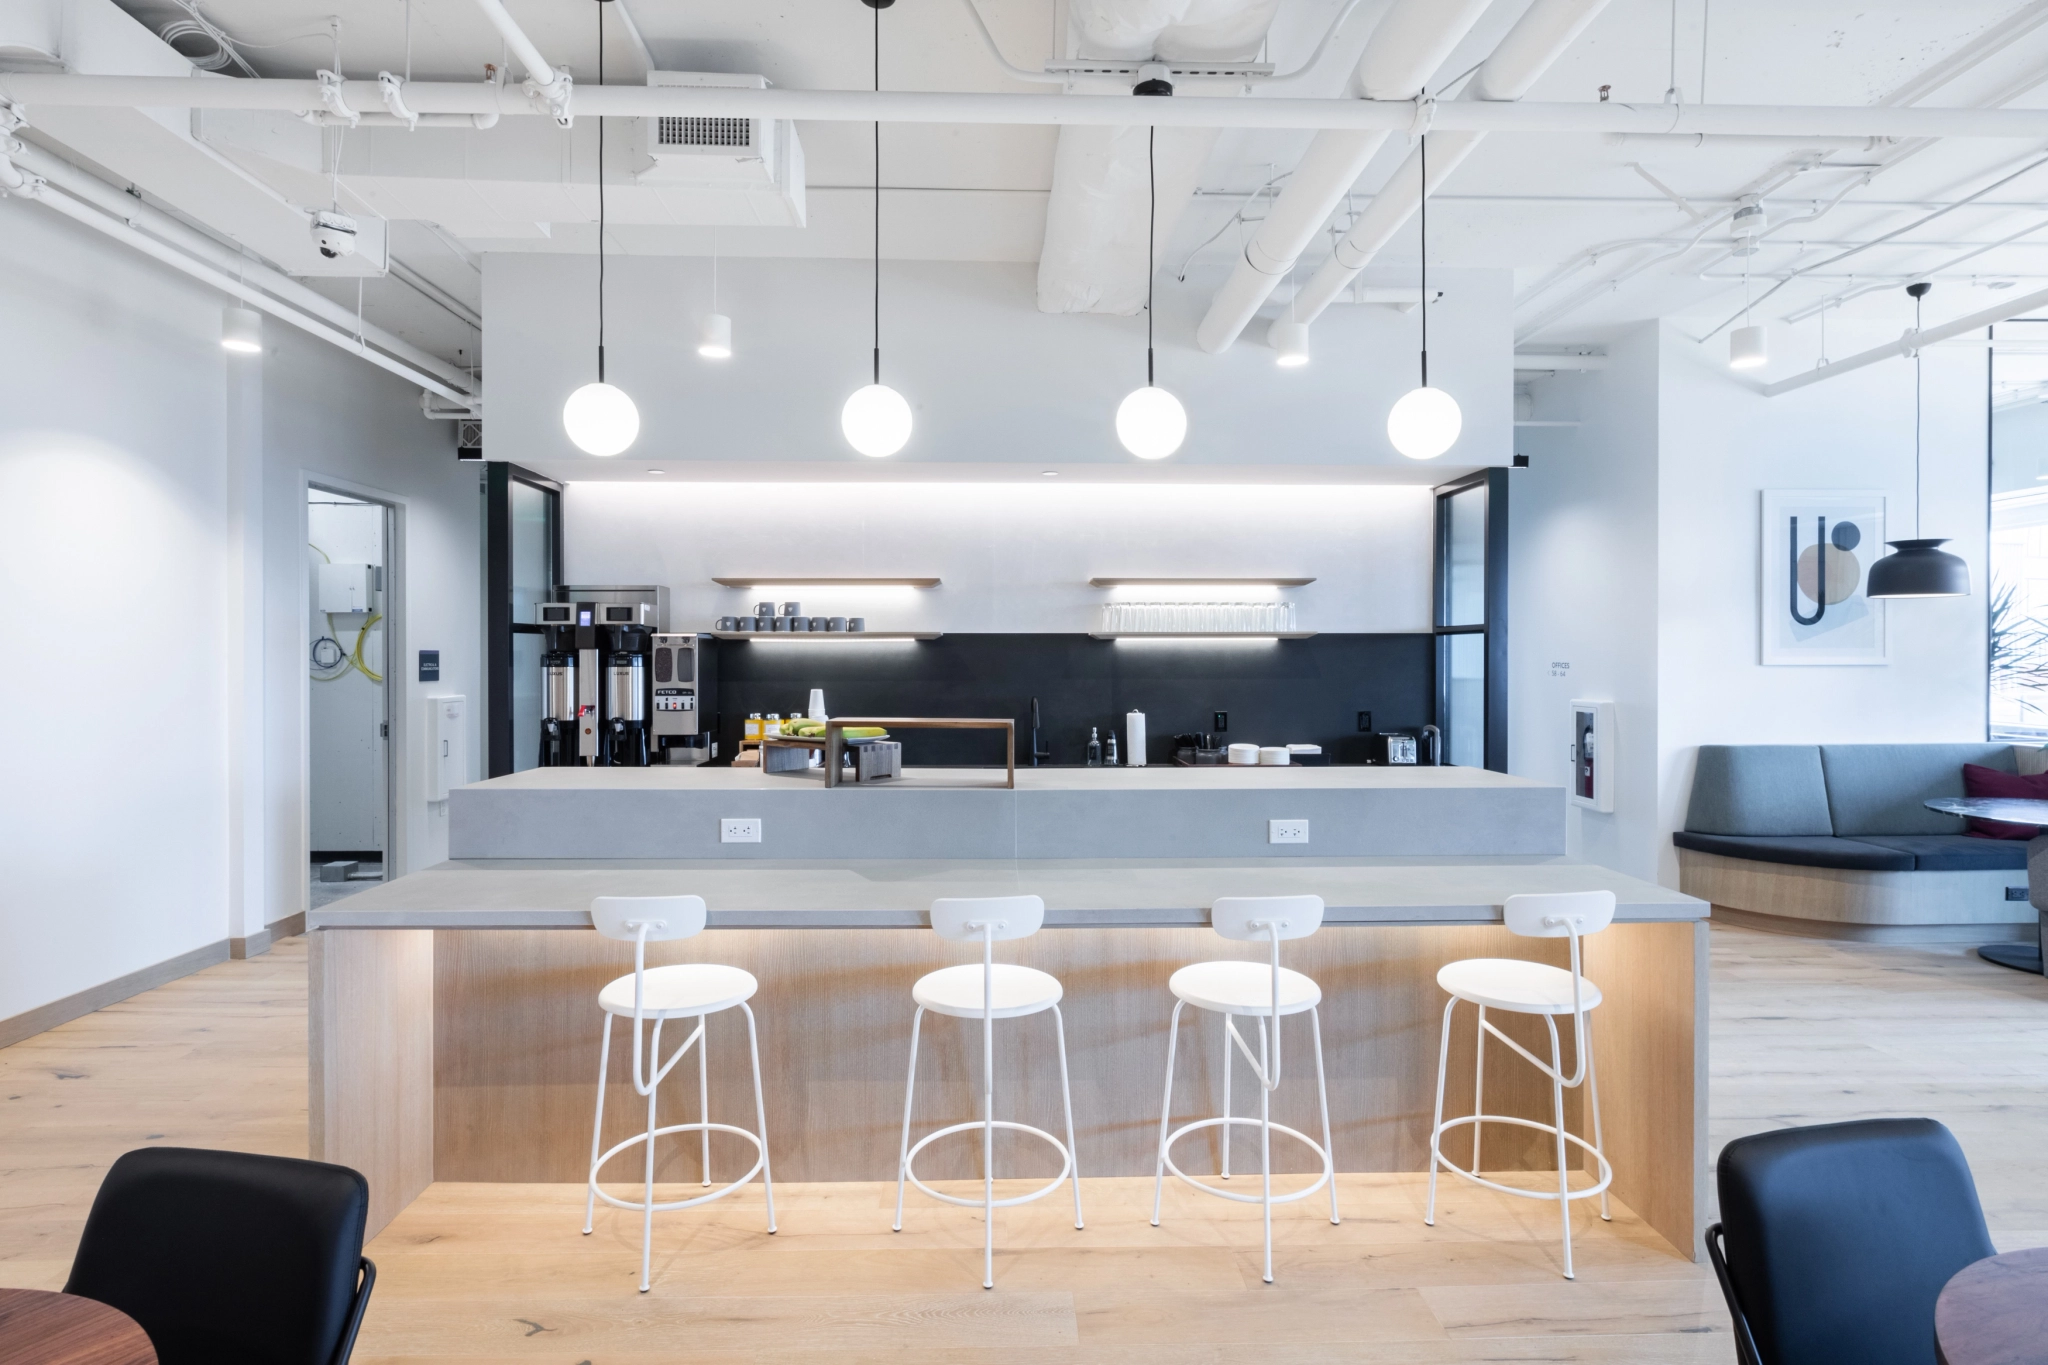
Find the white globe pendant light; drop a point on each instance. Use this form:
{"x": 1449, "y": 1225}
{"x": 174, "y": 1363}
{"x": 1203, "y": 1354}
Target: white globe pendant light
{"x": 599, "y": 418}
{"x": 876, "y": 419}
{"x": 1150, "y": 422}
{"x": 1425, "y": 422}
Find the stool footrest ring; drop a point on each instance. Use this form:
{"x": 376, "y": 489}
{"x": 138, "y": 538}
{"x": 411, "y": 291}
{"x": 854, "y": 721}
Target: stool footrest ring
{"x": 975, "y": 1126}
{"x": 1436, "y": 1154}
{"x": 1166, "y": 1156}
{"x": 640, "y": 1206}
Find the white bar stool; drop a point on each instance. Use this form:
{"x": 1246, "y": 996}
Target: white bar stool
{"x": 1530, "y": 988}
{"x": 1269, "y": 994}
{"x": 994, "y": 990}
{"x": 681, "y": 991}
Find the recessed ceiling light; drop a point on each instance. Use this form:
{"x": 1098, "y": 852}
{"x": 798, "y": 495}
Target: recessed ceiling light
{"x": 1049, "y": 474}
{"x": 657, "y": 471}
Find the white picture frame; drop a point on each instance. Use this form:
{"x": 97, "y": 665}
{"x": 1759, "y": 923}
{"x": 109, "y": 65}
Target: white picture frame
{"x": 1848, "y": 628}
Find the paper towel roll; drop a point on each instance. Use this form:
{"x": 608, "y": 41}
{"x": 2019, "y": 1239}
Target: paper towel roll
{"x": 1244, "y": 754}
{"x": 1134, "y": 739}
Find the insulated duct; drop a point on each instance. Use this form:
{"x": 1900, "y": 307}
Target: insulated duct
{"x": 1093, "y": 256}
{"x": 1543, "y": 33}
{"x": 1410, "y": 43}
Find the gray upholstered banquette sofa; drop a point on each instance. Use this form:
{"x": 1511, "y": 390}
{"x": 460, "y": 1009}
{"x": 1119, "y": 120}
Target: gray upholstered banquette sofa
{"x": 1832, "y": 840}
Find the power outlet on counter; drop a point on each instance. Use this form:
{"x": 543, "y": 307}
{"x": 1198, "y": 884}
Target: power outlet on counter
{"x": 742, "y": 830}
{"x": 1287, "y": 831}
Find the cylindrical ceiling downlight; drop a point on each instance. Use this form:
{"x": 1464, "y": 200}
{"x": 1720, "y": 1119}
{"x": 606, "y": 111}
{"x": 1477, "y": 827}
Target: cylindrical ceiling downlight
{"x": 241, "y": 331}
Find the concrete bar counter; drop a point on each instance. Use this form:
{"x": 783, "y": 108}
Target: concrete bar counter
{"x": 455, "y": 1026}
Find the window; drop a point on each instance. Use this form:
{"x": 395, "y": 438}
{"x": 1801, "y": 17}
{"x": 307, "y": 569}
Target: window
{"x": 1471, "y": 620}
{"x": 523, "y": 554}
{"x": 2017, "y": 601}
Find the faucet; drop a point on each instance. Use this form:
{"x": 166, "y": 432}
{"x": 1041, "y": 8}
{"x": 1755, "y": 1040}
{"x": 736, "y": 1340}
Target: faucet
{"x": 1037, "y": 752}
{"x": 1436, "y": 745}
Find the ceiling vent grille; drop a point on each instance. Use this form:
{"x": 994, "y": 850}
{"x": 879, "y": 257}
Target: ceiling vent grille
{"x": 705, "y": 132}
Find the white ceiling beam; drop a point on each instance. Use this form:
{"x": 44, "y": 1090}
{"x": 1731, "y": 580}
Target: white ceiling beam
{"x": 1910, "y": 342}
{"x": 1182, "y": 111}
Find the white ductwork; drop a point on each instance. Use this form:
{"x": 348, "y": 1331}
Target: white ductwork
{"x": 1543, "y": 33}
{"x": 544, "y": 83}
{"x": 1093, "y": 256}
{"x": 1405, "y": 50}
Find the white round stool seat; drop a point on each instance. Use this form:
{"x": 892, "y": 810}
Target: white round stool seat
{"x": 680, "y": 991}
{"x": 957, "y": 991}
{"x": 1505, "y": 983}
{"x": 1243, "y": 988}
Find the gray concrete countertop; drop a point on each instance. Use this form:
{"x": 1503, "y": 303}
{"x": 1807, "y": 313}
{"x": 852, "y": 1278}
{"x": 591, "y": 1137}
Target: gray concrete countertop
{"x": 1081, "y": 892}
{"x": 1222, "y": 777}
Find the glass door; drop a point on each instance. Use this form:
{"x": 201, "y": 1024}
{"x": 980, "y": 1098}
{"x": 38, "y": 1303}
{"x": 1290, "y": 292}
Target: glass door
{"x": 1471, "y": 620}
{"x": 523, "y": 565}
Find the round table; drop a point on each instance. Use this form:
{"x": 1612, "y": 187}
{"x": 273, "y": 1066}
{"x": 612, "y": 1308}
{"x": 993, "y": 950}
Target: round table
{"x": 41, "y": 1328}
{"x": 2012, "y": 810}
{"x": 1995, "y": 1312}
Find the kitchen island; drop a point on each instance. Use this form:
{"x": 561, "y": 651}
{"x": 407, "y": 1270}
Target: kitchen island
{"x": 455, "y": 1025}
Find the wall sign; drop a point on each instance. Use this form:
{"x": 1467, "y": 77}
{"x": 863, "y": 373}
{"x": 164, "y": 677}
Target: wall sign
{"x": 430, "y": 665}
{"x": 1817, "y": 549}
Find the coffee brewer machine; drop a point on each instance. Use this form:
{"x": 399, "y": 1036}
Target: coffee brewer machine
{"x": 682, "y": 689}
{"x": 594, "y": 675}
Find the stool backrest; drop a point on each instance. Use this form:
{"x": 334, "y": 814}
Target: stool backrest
{"x": 1557, "y": 914}
{"x": 666, "y": 917}
{"x": 1011, "y": 916}
{"x": 1297, "y": 916}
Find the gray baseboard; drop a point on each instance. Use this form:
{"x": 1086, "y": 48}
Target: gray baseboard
{"x": 1841, "y": 931}
{"x": 44, "y": 1017}
{"x": 259, "y": 943}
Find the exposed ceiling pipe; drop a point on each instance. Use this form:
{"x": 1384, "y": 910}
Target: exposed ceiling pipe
{"x": 1543, "y": 33}
{"x": 1405, "y": 49}
{"x": 544, "y": 82}
{"x": 187, "y": 244}
{"x": 1093, "y": 256}
{"x": 1110, "y": 111}
{"x": 1910, "y": 342}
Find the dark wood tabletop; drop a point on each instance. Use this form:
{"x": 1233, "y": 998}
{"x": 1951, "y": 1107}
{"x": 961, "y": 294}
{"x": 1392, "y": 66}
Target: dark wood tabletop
{"x": 1995, "y": 1312}
{"x": 38, "y": 1327}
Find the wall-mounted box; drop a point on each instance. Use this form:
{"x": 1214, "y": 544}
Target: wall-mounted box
{"x": 447, "y": 745}
{"x": 345, "y": 588}
{"x": 1592, "y": 755}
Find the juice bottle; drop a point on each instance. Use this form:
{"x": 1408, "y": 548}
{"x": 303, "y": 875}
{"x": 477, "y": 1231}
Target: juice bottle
{"x": 752, "y": 730}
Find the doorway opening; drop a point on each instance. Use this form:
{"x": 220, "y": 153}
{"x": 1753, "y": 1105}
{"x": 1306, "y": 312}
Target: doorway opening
{"x": 348, "y": 771}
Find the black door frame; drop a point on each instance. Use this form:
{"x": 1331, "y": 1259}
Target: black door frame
{"x": 1494, "y": 608}
{"x": 499, "y": 627}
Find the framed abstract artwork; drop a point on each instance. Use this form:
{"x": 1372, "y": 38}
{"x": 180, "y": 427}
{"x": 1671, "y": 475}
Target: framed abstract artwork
{"x": 1818, "y": 546}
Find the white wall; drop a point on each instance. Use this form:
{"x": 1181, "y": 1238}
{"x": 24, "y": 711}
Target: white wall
{"x": 1012, "y": 556}
{"x": 1636, "y": 558}
{"x": 114, "y": 633}
{"x": 990, "y": 378}
{"x": 1582, "y": 590}
{"x": 153, "y": 802}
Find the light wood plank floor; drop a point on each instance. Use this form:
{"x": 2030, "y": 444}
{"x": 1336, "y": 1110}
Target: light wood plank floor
{"x": 1802, "y": 1032}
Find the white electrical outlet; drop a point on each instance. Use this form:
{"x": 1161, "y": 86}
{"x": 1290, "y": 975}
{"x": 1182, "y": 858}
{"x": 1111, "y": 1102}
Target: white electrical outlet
{"x": 1287, "y": 831}
{"x": 745, "y": 830}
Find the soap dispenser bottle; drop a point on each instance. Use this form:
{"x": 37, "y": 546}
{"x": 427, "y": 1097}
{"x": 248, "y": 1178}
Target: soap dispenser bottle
{"x": 1112, "y": 749}
{"x": 1094, "y": 749}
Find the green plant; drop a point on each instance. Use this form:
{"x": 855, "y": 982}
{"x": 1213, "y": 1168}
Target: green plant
{"x": 2018, "y": 641}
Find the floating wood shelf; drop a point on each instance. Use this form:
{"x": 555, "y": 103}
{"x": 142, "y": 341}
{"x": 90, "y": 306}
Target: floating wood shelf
{"x": 824, "y": 581}
{"x": 825, "y": 636}
{"x": 1201, "y": 634}
{"x": 1199, "y": 582}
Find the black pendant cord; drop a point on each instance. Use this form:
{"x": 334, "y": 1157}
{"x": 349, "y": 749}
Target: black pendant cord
{"x": 1916, "y": 415}
{"x": 1151, "y": 237}
{"x": 600, "y": 199}
{"x": 1422, "y": 198}
{"x": 878, "y": 202}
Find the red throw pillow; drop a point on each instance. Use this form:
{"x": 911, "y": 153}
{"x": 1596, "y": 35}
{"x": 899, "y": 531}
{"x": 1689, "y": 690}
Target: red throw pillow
{"x": 1980, "y": 781}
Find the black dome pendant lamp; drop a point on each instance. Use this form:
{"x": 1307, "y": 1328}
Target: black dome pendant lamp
{"x": 1918, "y": 568}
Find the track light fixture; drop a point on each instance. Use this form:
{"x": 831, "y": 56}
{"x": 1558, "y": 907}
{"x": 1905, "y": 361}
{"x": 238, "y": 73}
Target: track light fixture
{"x": 599, "y": 418}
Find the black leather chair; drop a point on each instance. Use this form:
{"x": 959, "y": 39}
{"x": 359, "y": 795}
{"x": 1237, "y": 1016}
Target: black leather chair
{"x": 1839, "y": 1238}
{"x": 230, "y": 1257}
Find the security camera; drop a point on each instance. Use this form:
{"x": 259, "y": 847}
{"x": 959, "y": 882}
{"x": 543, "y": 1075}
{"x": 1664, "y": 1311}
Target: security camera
{"x": 334, "y": 233}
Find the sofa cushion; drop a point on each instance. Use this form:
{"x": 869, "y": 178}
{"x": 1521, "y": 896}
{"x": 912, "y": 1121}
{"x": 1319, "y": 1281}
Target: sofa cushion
{"x": 1955, "y": 852}
{"x": 1801, "y": 850}
{"x": 1759, "y": 789}
{"x": 1879, "y": 788}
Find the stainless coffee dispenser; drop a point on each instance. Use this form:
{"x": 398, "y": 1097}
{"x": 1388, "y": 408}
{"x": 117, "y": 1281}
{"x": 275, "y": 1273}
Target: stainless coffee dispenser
{"x": 594, "y": 674}
{"x": 682, "y": 701}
